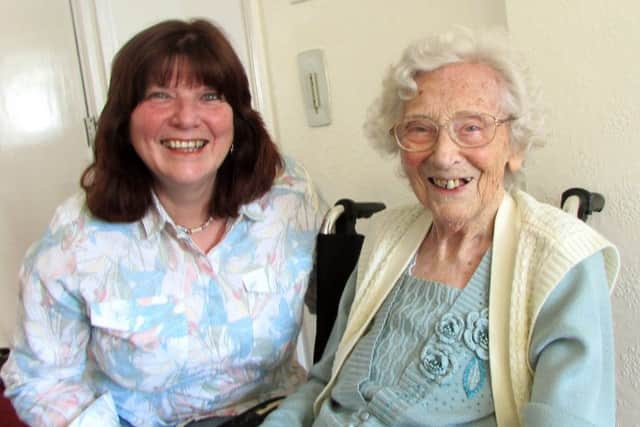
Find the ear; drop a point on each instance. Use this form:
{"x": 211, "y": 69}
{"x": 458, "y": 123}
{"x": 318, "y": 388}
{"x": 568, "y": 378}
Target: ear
{"x": 516, "y": 159}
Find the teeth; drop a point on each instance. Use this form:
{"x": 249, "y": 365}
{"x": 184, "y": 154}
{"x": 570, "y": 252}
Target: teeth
{"x": 450, "y": 184}
{"x": 189, "y": 145}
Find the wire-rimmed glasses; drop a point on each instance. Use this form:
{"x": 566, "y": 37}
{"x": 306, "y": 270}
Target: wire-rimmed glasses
{"x": 467, "y": 129}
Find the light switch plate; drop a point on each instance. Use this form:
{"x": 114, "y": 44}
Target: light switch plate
{"x": 315, "y": 87}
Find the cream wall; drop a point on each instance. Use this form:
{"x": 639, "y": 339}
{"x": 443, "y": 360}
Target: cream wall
{"x": 583, "y": 53}
{"x": 585, "y": 56}
{"x": 360, "y": 39}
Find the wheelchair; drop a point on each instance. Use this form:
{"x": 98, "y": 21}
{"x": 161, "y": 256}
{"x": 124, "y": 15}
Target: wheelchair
{"x": 338, "y": 246}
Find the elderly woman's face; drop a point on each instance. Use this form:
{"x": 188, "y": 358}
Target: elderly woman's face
{"x": 459, "y": 185}
{"x": 182, "y": 133}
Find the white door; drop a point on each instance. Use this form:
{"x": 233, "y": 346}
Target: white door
{"x": 43, "y": 148}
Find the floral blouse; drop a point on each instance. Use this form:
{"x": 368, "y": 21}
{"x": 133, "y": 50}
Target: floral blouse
{"x": 133, "y": 323}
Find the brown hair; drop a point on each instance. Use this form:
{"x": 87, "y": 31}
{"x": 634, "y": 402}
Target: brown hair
{"x": 118, "y": 184}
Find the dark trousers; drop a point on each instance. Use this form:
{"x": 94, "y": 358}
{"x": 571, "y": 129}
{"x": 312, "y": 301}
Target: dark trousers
{"x": 252, "y": 417}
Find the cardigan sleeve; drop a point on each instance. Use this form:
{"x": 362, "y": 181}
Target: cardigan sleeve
{"x": 297, "y": 409}
{"x": 572, "y": 353}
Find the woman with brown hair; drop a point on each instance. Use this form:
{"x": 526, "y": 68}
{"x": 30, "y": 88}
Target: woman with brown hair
{"x": 172, "y": 289}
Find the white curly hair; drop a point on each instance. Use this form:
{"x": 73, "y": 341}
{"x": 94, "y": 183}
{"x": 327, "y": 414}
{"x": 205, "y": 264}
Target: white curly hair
{"x": 491, "y": 47}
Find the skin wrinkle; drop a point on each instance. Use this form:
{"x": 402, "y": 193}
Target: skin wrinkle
{"x": 463, "y": 219}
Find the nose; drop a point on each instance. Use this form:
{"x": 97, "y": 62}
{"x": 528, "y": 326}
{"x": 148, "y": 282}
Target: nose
{"x": 186, "y": 114}
{"x": 445, "y": 151}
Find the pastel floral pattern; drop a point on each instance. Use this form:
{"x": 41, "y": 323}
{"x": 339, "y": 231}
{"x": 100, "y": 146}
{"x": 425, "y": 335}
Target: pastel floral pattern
{"x": 436, "y": 362}
{"x": 450, "y": 328}
{"x": 476, "y": 336}
{"x": 112, "y": 307}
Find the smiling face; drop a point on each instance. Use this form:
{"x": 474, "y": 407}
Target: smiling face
{"x": 460, "y": 186}
{"x": 183, "y": 132}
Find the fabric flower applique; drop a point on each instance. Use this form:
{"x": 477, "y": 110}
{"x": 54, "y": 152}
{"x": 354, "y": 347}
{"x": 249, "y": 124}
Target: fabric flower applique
{"x": 476, "y": 335}
{"x": 436, "y": 362}
{"x": 450, "y": 328}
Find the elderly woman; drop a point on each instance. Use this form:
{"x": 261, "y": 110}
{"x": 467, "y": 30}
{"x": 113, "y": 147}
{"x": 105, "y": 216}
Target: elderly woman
{"x": 172, "y": 288}
{"x": 479, "y": 306}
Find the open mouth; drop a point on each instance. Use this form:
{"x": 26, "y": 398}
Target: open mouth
{"x": 184, "y": 145}
{"x": 450, "y": 184}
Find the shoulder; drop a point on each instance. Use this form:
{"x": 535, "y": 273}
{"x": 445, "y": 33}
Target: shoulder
{"x": 548, "y": 221}
{"x": 67, "y": 218}
{"x": 387, "y": 229}
{"x": 561, "y": 238}
{"x": 73, "y": 229}
{"x": 73, "y": 216}
{"x": 52, "y": 255}
{"x": 554, "y": 226}
{"x": 392, "y": 223}
{"x": 293, "y": 199}
{"x": 71, "y": 212}
{"x": 294, "y": 187}
{"x": 292, "y": 177}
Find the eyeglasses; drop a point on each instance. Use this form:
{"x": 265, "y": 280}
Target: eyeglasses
{"x": 467, "y": 129}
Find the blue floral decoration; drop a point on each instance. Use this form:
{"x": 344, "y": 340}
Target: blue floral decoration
{"x": 474, "y": 377}
{"x": 436, "y": 362}
{"x": 450, "y": 328}
{"x": 476, "y": 336}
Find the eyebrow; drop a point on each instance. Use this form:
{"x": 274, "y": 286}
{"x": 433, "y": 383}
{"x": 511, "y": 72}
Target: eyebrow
{"x": 420, "y": 116}
{"x": 435, "y": 120}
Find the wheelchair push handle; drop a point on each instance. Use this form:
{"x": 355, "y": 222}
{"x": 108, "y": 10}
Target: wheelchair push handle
{"x": 581, "y": 202}
{"x": 342, "y": 217}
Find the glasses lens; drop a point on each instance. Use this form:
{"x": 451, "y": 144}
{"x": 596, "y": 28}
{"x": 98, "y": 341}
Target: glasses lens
{"x": 417, "y": 134}
{"x": 473, "y": 129}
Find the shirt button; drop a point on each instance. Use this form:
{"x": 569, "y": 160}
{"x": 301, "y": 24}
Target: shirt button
{"x": 364, "y": 416}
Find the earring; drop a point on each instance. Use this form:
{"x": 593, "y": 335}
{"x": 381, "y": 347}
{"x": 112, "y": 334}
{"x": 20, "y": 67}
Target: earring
{"x": 231, "y": 148}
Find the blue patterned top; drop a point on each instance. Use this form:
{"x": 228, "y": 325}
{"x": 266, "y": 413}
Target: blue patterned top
{"x": 426, "y": 356}
{"x": 423, "y": 360}
{"x": 134, "y": 321}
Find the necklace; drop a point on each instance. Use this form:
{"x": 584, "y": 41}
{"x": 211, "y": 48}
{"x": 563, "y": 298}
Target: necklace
{"x": 195, "y": 229}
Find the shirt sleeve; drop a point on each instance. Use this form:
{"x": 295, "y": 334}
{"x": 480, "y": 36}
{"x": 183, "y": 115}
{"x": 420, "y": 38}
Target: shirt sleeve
{"x": 297, "y": 409}
{"x": 44, "y": 374}
{"x": 314, "y": 208}
{"x": 572, "y": 353}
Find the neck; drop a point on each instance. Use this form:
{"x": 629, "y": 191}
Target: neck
{"x": 451, "y": 252}
{"x": 454, "y": 241}
{"x": 187, "y": 209}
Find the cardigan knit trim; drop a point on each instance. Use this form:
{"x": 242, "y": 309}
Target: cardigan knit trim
{"x": 534, "y": 246}
{"x": 549, "y": 244}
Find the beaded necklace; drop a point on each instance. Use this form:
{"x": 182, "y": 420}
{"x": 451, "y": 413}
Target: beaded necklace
{"x": 194, "y": 230}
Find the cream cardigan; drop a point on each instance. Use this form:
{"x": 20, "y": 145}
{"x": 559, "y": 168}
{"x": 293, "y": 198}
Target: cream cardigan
{"x": 534, "y": 246}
